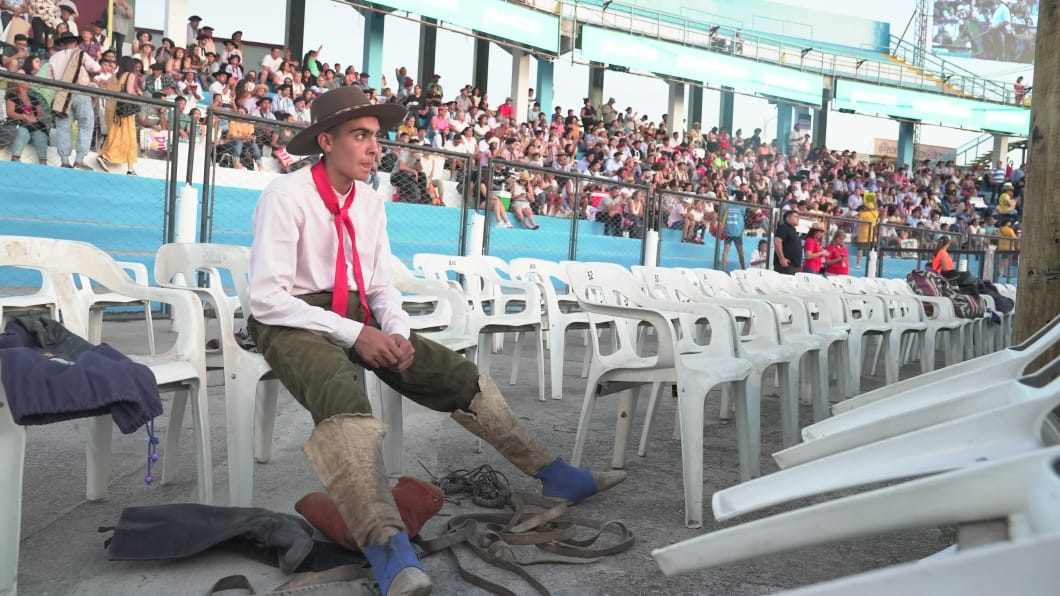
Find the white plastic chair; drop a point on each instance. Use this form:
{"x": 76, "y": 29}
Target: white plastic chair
{"x": 762, "y": 345}
{"x": 106, "y": 298}
{"x": 182, "y": 369}
{"x": 942, "y": 322}
{"x": 488, "y": 296}
{"x": 560, "y": 312}
{"x": 42, "y": 300}
{"x": 609, "y": 290}
{"x": 249, "y": 387}
{"x": 919, "y": 404}
{"x": 1021, "y": 492}
{"x": 1011, "y": 422}
{"x": 1025, "y": 566}
{"x": 1005, "y": 364}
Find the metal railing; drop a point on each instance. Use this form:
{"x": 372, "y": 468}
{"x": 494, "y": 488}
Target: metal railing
{"x": 136, "y": 211}
{"x": 807, "y": 55}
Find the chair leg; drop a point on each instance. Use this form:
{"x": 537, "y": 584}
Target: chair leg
{"x": 927, "y": 354}
{"x": 627, "y": 410}
{"x": 854, "y": 345}
{"x": 893, "y": 342}
{"x": 690, "y": 402}
{"x": 517, "y": 353}
{"x": 752, "y": 426}
{"x": 12, "y": 464}
{"x": 584, "y": 421}
{"x": 556, "y": 351}
{"x": 100, "y": 434}
{"x": 240, "y": 410}
{"x": 265, "y": 418}
{"x": 649, "y": 418}
{"x": 540, "y": 364}
{"x": 789, "y": 403}
{"x": 150, "y": 327}
{"x": 394, "y": 441}
{"x": 200, "y": 416}
{"x": 819, "y": 381}
{"x": 172, "y": 441}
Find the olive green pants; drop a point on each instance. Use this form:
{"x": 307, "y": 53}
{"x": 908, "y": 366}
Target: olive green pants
{"x": 326, "y": 378}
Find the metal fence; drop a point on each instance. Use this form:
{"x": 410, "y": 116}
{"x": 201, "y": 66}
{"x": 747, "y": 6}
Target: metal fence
{"x": 128, "y": 216}
{"x": 533, "y": 211}
{"x": 429, "y": 196}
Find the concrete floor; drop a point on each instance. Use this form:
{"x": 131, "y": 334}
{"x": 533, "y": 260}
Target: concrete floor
{"x": 62, "y": 552}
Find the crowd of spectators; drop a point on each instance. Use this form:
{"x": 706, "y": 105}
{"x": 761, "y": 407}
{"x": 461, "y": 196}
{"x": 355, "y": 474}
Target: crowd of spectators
{"x": 607, "y": 163}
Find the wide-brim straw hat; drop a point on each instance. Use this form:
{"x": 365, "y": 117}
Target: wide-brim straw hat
{"x": 817, "y": 226}
{"x": 338, "y": 106}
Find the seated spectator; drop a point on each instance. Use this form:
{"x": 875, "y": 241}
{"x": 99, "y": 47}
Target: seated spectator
{"x": 242, "y": 137}
{"x": 159, "y": 81}
{"x": 188, "y": 87}
{"x": 280, "y": 137}
{"x": 520, "y": 205}
{"x": 25, "y": 122}
{"x": 760, "y": 259}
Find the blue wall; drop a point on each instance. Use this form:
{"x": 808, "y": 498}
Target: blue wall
{"x": 123, "y": 215}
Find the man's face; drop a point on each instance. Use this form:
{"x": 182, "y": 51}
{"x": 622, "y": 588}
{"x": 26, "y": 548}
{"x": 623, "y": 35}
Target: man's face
{"x": 351, "y": 148}
{"x": 275, "y": 53}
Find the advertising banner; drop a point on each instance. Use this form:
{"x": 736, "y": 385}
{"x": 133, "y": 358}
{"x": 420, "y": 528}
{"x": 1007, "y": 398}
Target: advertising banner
{"x": 494, "y": 17}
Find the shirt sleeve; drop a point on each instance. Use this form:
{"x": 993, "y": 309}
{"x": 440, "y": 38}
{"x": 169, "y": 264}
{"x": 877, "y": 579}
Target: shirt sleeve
{"x": 278, "y": 223}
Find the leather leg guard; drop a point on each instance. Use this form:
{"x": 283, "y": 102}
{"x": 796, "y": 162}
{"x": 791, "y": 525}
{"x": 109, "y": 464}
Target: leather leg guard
{"x": 346, "y": 451}
{"x": 491, "y": 419}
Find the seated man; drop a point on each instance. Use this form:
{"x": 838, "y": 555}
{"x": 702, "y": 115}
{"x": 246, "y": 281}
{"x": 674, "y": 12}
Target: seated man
{"x": 316, "y": 328}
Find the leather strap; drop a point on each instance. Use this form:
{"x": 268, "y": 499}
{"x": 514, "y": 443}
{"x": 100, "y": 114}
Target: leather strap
{"x": 509, "y": 541}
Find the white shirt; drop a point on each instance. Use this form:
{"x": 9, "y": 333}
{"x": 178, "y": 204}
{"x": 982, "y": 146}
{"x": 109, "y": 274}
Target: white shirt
{"x": 293, "y": 253}
{"x": 273, "y": 64}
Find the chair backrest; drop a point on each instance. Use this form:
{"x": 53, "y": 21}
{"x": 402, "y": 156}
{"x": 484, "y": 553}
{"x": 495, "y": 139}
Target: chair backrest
{"x": 188, "y": 259}
{"x": 550, "y": 277}
{"x": 60, "y": 263}
{"x": 718, "y": 283}
{"x": 668, "y": 283}
{"x": 451, "y": 309}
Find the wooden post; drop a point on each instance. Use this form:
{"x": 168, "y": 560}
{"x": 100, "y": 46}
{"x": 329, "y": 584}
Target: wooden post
{"x": 1039, "y": 270}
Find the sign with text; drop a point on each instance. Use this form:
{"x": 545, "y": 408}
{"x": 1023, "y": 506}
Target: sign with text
{"x": 889, "y": 148}
{"x": 931, "y": 108}
{"x": 493, "y": 17}
{"x": 716, "y": 70}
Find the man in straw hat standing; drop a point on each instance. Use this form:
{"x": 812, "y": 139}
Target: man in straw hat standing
{"x": 321, "y": 310}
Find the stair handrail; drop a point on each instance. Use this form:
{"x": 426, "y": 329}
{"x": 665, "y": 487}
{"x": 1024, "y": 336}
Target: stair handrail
{"x": 863, "y": 67}
{"x": 939, "y": 66}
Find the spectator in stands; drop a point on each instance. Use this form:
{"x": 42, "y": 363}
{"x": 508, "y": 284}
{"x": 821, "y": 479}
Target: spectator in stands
{"x": 761, "y": 257}
{"x": 787, "y": 246}
{"x": 734, "y": 229}
{"x": 520, "y": 200}
{"x": 121, "y": 145}
{"x": 813, "y": 248}
{"x": 942, "y": 261}
{"x": 836, "y": 260}
{"x": 25, "y": 121}
{"x": 68, "y": 107}
{"x": 158, "y": 81}
{"x": 242, "y": 136}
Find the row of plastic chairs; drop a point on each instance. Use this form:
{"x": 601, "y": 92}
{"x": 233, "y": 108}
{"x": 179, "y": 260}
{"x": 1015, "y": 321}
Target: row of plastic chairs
{"x": 181, "y": 369}
{"x": 984, "y": 427}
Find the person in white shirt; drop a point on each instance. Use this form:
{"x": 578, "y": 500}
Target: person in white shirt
{"x": 316, "y": 339}
{"x": 271, "y": 63}
{"x": 301, "y": 112}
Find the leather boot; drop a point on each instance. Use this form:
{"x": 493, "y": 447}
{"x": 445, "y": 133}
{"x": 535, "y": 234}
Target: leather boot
{"x": 346, "y": 451}
{"x": 492, "y": 420}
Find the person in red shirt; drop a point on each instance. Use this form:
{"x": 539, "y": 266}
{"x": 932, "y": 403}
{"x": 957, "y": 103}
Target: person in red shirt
{"x": 836, "y": 259}
{"x": 942, "y": 261}
{"x": 505, "y": 110}
{"x": 812, "y": 250}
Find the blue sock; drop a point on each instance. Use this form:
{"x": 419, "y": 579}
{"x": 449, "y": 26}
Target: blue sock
{"x": 560, "y": 479}
{"x": 389, "y": 559}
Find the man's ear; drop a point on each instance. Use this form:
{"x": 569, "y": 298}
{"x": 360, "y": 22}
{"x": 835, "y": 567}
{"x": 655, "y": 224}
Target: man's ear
{"x": 324, "y": 141}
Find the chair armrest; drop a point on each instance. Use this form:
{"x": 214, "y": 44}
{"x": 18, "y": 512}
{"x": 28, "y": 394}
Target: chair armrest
{"x": 187, "y": 312}
{"x": 658, "y": 319}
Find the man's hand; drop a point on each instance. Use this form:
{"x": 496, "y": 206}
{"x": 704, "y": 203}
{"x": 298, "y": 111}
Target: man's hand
{"x": 406, "y": 352}
{"x": 378, "y": 350}
{"x": 783, "y": 262}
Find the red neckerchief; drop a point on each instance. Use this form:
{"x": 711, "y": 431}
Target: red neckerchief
{"x": 340, "y": 297}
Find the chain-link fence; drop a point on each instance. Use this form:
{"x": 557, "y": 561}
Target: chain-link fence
{"x": 902, "y": 249}
{"x": 533, "y": 211}
{"x": 702, "y": 230}
{"x": 100, "y": 135}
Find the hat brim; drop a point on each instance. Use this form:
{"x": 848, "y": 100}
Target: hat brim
{"x": 305, "y": 142}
